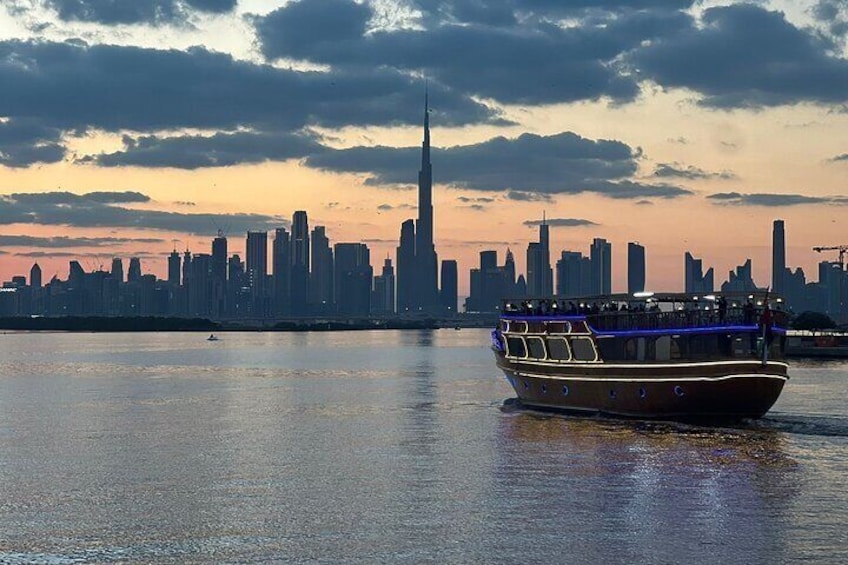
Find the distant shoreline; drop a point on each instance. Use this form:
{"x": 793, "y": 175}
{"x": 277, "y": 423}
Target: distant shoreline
{"x": 168, "y": 324}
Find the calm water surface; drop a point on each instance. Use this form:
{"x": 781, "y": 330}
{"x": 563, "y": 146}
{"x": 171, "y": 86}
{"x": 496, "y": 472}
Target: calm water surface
{"x": 365, "y": 447}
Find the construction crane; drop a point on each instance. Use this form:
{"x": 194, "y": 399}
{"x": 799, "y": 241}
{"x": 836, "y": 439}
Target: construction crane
{"x": 841, "y": 249}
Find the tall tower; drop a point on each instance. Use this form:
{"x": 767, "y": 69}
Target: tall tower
{"x": 427, "y": 295}
{"x": 256, "y": 250}
{"x": 406, "y": 282}
{"x": 600, "y": 254}
{"x": 635, "y": 267}
{"x": 539, "y": 273}
{"x": 300, "y": 263}
{"x": 778, "y": 257}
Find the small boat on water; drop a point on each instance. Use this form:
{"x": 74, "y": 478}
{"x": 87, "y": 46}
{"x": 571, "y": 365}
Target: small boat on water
{"x": 669, "y": 356}
{"x": 212, "y": 337}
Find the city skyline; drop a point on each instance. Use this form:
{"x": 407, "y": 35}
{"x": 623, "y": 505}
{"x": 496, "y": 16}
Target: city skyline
{"x": 122, "y": 131}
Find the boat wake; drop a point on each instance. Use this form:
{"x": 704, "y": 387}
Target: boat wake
{"x": 804, "y": 424}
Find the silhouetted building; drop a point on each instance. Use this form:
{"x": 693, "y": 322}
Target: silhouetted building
{"x": 574, "y": 275}
{"x": 426, "y": 297}
{"x": 635, "y": 268}
{"x": 449, "y": 286}
{"x": 35, "y": 276}
{"x": 281, "y": 279}
{"x": 741, "y": 280}
{"x": 117, "y": 272}
{"x": 539, "y": 273}
{"x": 353, "y": 274}
{"x": 300, "y": 264}
{"x": 383, "y": 294}
{"x": 174, "y": 268}
{"x": 321, "y": 276}
{"x": 600, "y": 255}
{"x": 778, "y": 257}
{"x": 406, "y": 268}
{"x": 257, "y": 270}
{"x": 134, "y": 272}
{"x": 696, "y": 281}
{"x": 218, "y": 275}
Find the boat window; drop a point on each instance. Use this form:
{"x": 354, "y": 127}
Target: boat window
{"x": 558, "y": 349}
{"x": 583, "y": 349}
{"x": 579, "y": 327}
{"x": 559, "y": 327}
{"x": 662, "y": 348}
{"x": 505, "y": 325}
{"x": 536, "y": 347}
{"x": 518, "y": 326}
{"x": 515, "y": 347}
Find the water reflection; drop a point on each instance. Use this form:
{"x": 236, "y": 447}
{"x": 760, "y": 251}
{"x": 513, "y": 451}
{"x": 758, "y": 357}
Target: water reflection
{"x": 653, "y": 492}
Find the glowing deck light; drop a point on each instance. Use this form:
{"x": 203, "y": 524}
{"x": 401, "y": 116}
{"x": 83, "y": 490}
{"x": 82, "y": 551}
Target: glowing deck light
{"x": 643, "y": 294}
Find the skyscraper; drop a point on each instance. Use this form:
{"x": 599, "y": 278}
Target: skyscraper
{"x": 600, "y": 255}
{"x": 174, "y": 268}
{"x": 539, "y": 273}
{"x": 449, "y": 292}
{"x": 281, "y": 264}
{"x": 321, "y": 275}
{"x": 353, "y": 277}
{"x": 406, "y": 268}
{"x": 257, "y": 269}
{"x": 134, "y": 272}
{"x": 695, "y": 281}
{"x": 574, "y": 273}
{"x": 218, "y": 274}
{"x": 35, "y": 276}
{"x": 300, "y": 263}
{"x": 635, "y": 267}
{"x": 778, "y": 257}
{"x": 426, "y": 297}
{"x": 383, "y": 294}
{"x": 117, "y": 269}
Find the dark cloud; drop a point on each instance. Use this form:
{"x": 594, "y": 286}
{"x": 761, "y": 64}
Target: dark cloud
{"x": 484, "y": 199}
{"x": 112, "y": 12}
{"x": 769, "y": 200}
{"x": 387, "y": 207}
{"x": 745, "y": 56}
{"x": 74, "y": 86}
{"x": 25, "y": 141}
{"x": 218, "y": 150}
{"x": 67, "y": 209}
{"x": 834, "y": 15}
{"x": 65, "y": 242}
{"x": 528, "y": 196}
{"x": 561, "y": 222}
{"x": 676, "y": 170}
{"x": 564, "y": 163}
{"x": 516, "y": 60}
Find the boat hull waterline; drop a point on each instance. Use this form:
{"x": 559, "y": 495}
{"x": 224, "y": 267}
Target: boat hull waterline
{"x": 738, "y": 391}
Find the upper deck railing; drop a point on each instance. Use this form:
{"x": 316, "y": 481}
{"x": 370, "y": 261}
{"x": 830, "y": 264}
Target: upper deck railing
{"x": 669, "y": 311}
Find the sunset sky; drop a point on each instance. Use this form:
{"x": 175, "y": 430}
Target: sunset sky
{"x": 133, "y": 127}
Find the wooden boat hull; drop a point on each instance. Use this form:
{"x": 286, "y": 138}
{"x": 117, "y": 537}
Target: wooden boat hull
{"x": 680, "y": 391}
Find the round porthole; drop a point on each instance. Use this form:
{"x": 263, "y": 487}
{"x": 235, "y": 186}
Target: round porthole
{"x": 565, "y": 390}
{"x": 612, "y": 394}
{"x": 526, "y": 385}
{"x": 544, "y": 389}
{"x": 678, "y": 390}
{"x": 643, "y": 393}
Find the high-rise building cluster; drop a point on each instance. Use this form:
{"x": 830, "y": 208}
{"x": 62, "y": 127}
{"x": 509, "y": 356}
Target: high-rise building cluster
{"x": 310, "y": 277}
